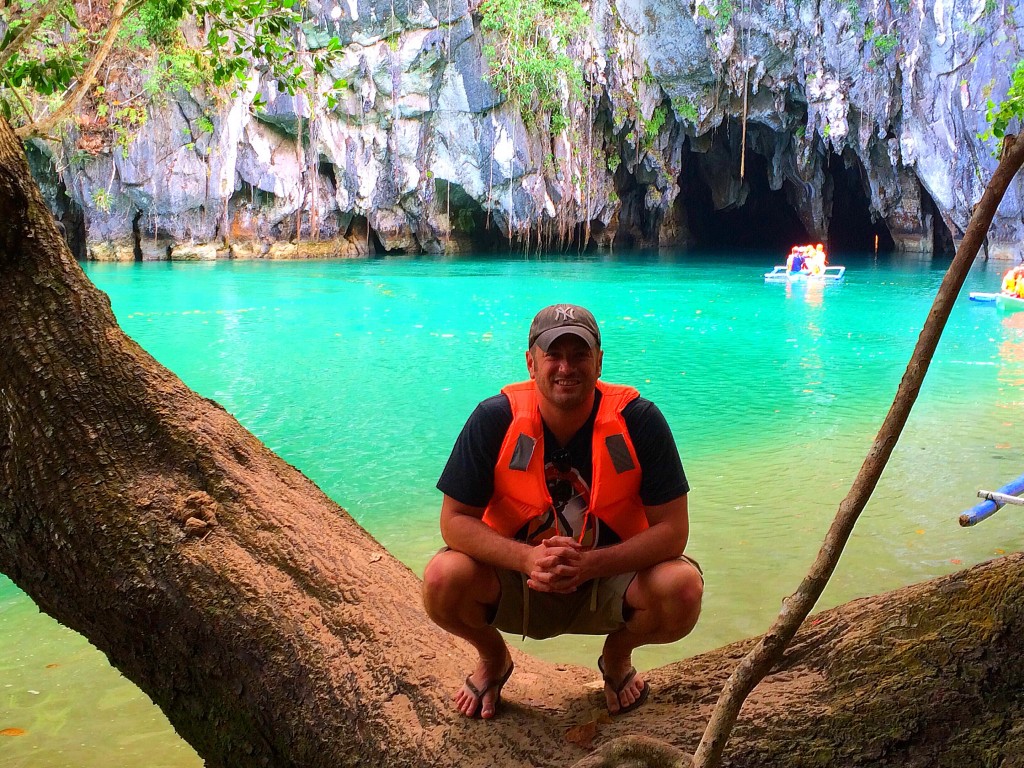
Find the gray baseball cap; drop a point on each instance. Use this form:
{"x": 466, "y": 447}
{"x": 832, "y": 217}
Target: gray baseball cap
{"x": 551, "y": 322}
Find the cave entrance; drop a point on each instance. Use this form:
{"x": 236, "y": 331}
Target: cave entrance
{"x": 72, "y": 218}
{"x": 852, "y": 228}
{"x": 724, "y": 214}
{"x": 762, "y": 219}
{"x": 470, "y": 229}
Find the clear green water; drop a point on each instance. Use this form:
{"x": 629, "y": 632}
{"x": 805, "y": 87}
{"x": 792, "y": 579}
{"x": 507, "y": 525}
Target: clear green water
{"x": 361, "y": 374}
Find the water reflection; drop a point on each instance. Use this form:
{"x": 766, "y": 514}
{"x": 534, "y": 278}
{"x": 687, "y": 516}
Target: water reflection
{"x": 1011, "y": 370}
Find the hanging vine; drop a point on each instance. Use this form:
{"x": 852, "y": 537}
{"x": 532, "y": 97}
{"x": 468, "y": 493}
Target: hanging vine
{"x": 530, "y": 67}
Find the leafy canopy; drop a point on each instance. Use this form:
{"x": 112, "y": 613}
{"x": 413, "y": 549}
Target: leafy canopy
{"x": 51, "y": 50}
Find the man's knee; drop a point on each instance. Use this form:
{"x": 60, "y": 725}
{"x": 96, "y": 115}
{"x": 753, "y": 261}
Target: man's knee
{"x": 452, "y": 577}
{"x": 442, "y": 570}
{"x": 673, "y": 592}
{"x": 687, "y": 593}
{"x": 689, "y": 585}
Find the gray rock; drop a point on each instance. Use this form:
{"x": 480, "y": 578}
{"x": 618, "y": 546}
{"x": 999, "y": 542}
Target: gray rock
{"x": 896, "y": 97}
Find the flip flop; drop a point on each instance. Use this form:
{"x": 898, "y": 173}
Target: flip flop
{"x": 641, "y": 699}
{"x": 479, "y": 695}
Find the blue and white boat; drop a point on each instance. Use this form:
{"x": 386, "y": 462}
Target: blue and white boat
{"x": 780, "y": 274}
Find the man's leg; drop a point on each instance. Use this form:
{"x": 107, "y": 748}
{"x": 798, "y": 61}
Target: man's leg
{"x": 662, "y": 605}
{"x": 460, "y": 594}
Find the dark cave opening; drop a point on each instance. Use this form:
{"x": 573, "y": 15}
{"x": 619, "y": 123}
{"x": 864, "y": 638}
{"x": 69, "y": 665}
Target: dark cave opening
{"x": 467, "y": 220}
{"x": 942, "y": 237}
{"x": 765, "y": 218}
{"x": 852, "y": 227}
{"x": 357, "y": 229}
{"x": 636, "y": 228}
{"x": 765, "y": 221}
{"x": 73, "y": 221}
{"x": 137, "y": 234}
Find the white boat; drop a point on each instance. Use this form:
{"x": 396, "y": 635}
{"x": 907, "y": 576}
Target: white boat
{"x": 780, "y": 274}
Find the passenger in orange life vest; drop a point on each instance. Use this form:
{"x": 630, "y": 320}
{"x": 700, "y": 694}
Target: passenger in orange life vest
{"x": 564, "y": 512}
{"x": 1013, "y": 282}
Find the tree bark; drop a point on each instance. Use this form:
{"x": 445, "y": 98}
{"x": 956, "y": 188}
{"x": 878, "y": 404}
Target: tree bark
{"x": 272, "y": 630}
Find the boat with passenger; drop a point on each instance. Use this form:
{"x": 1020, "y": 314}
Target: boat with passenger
{"x": 780, "y": 274}
{"x": 1011, "y": 291}
{"x": 1012, "y": 303}
{"x": 805, "y": 263}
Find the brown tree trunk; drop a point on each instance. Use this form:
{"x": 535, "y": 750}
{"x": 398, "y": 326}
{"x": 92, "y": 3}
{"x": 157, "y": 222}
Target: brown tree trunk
{"x": 272, "y": 630}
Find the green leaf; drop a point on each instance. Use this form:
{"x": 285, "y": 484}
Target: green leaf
{"x": 1011, "y": 108}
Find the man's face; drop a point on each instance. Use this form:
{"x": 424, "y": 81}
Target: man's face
{"x": 566, "y": 375}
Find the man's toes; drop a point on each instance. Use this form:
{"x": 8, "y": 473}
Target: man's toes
{"x": 631, "y": 693}
{"x": 487, "y": 708}
{"x": 466, "y": 702}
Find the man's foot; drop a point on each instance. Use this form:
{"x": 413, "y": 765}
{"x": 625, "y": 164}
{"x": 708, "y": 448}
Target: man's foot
{"x": 624, "y": 690}
{"x": 481, "y": 698}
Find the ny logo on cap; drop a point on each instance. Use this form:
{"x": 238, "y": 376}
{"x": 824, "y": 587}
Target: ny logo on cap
{"x": 565, "y": 313}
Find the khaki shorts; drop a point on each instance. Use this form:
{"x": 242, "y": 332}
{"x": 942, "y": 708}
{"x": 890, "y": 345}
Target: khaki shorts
{"x": 595, "y": 608}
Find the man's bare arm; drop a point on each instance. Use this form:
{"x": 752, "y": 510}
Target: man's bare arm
{"x": 664, "y": 540}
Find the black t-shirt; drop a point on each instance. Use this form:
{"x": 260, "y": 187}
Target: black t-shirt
{"x": 468, "y": 477}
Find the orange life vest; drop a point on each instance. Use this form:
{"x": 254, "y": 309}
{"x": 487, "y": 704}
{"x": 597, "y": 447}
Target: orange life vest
{"x": 520, "y": 488}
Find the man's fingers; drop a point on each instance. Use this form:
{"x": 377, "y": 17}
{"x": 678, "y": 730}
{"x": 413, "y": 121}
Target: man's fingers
{"x": 559, "y": 554}
{"x": 558, "y": 586}
{"x": 556, "y": 564}
{"x": 562, "y": 541}
{"x": 560, "y": 579}
{"x": 555, "y": 569}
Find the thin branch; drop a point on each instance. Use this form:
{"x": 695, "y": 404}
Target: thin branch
{"x": 795, "y": 608}
{"x": 85, "y": 82}
{"x": 133, "y": 7}
{"x": 26, "y": 34}
{"x": 24, "y": 107}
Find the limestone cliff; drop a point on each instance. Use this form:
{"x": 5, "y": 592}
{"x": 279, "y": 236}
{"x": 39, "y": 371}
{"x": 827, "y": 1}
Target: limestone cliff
{"x": 702, "y": 123}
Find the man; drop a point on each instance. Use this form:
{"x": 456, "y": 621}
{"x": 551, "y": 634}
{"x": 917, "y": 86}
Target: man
{"x": 564, "y": 511}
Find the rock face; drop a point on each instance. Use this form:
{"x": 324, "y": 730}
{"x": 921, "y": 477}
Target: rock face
{"x": 702, "y": 123}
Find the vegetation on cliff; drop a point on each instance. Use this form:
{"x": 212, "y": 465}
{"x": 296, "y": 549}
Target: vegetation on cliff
{"x": 53, "y": 53}
{"x": 1011, "y": 108}
{"x": 529, "y": 58}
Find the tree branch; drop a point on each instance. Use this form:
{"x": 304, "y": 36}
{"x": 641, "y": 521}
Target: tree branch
{"x": 26, "y": 34}
{"x": 21, "y": 101}
{"x": 85, "y": 82}
{"x": 756, "y": 664}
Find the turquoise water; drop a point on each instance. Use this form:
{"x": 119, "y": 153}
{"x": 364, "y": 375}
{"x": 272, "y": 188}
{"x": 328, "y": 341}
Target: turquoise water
{"x": 361, "y": 374}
